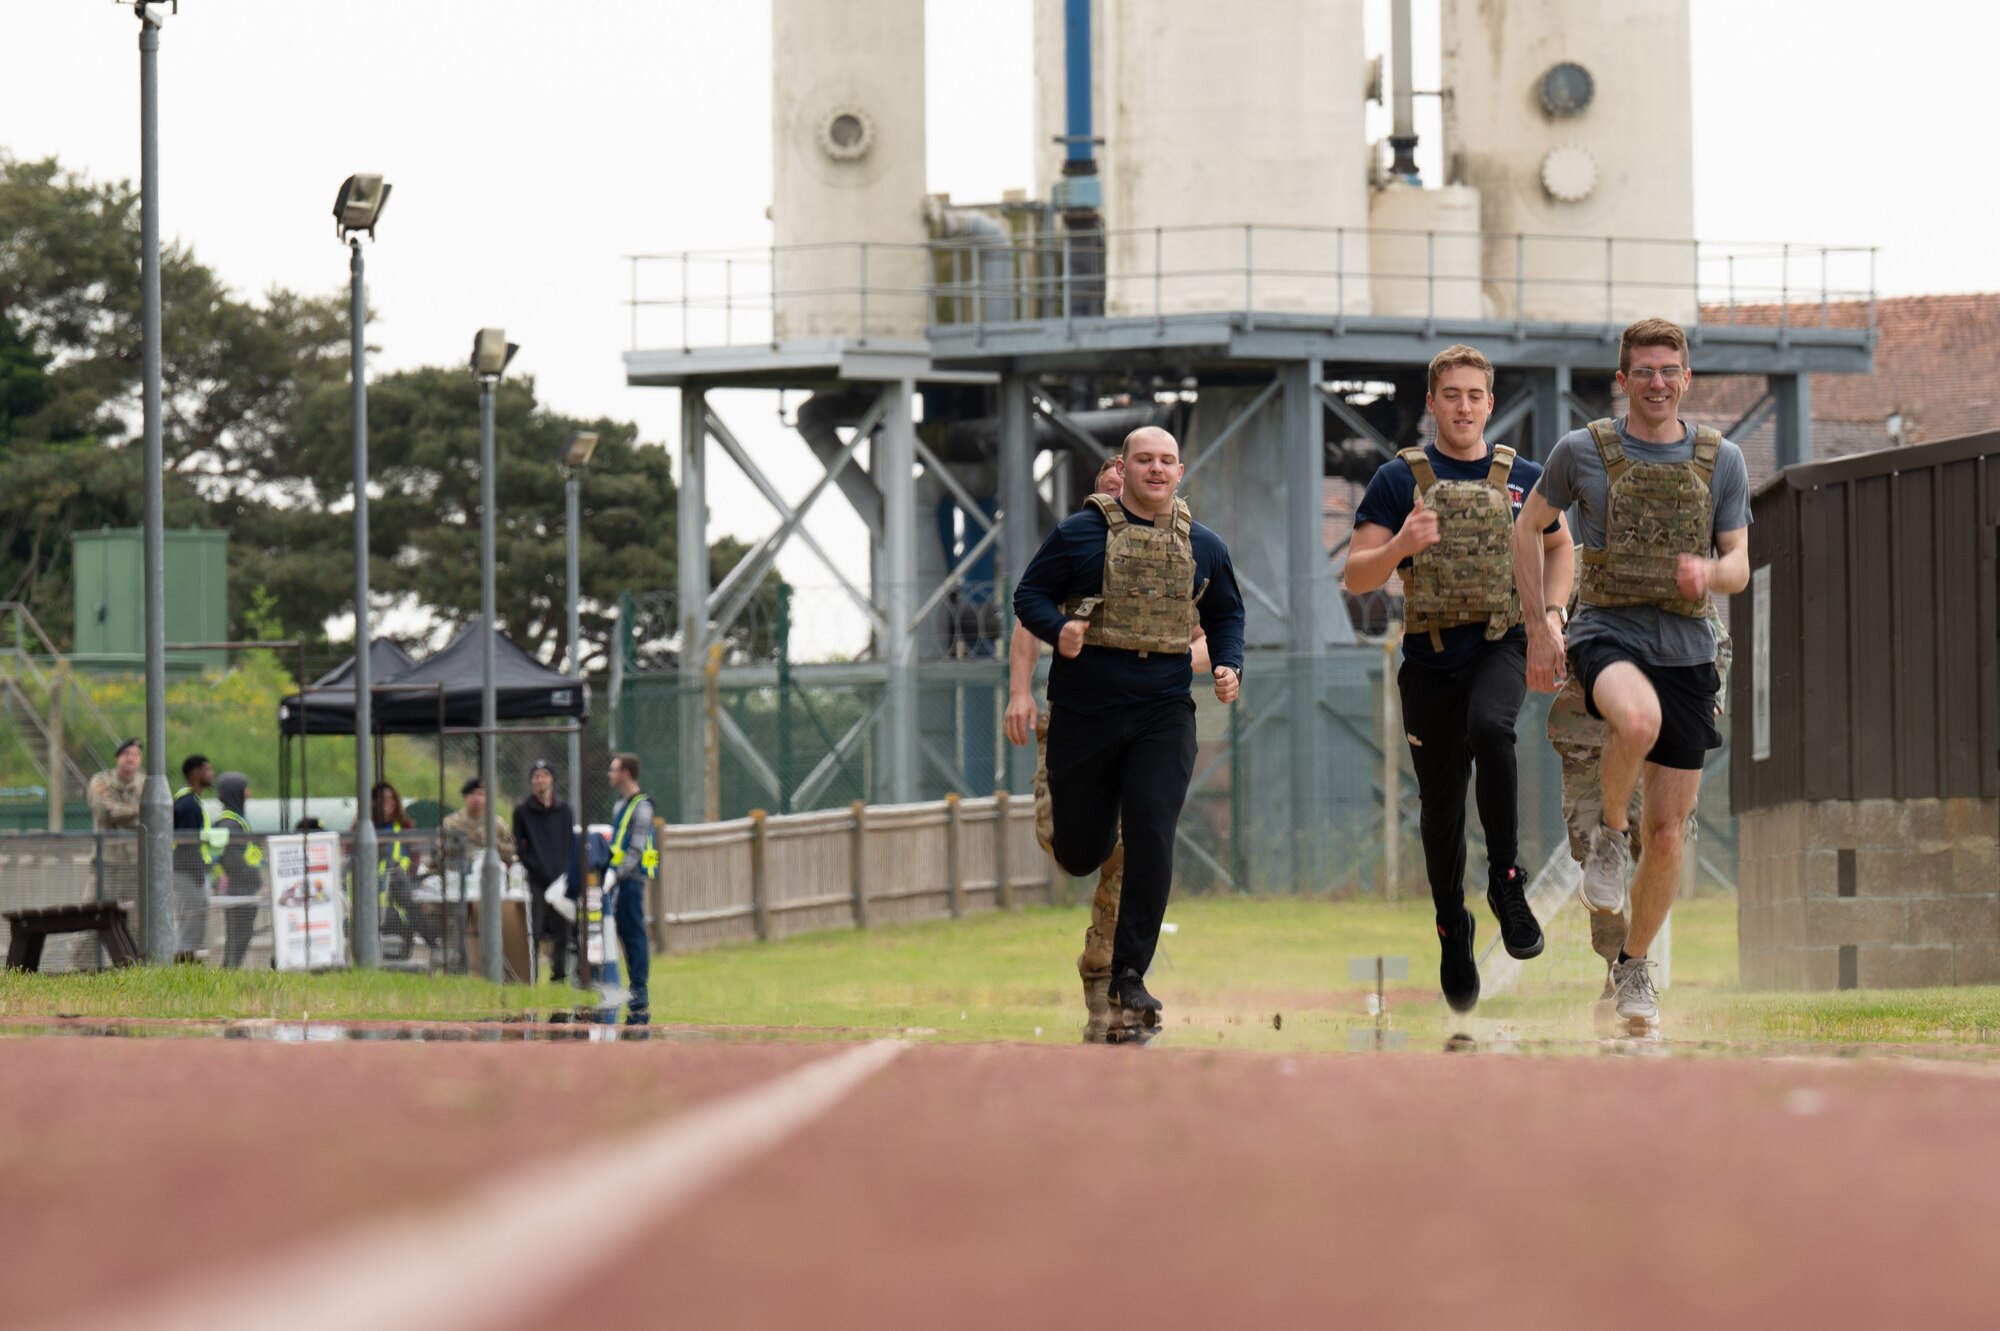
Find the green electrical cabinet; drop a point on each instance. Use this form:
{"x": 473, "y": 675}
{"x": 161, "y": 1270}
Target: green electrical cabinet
{"x": 110, "y": 574}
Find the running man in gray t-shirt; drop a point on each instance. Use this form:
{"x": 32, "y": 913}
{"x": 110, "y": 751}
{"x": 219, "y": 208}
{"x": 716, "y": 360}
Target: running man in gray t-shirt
{"x": 1639, "y": 644}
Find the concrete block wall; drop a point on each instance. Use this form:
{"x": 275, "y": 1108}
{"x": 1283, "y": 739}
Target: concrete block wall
{"x": 1870, "y": 894}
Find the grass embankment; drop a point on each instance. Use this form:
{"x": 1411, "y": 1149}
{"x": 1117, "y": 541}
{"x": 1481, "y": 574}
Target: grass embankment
{"x": 205, "y": 992}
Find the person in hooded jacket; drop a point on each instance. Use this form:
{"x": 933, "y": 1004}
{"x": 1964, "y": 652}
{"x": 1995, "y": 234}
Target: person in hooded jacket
{"x": 242, "y": 868}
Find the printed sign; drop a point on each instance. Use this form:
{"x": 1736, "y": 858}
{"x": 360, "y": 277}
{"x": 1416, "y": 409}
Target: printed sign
{"x": 308, "y": 901}
{"x": 1760, "y": 663}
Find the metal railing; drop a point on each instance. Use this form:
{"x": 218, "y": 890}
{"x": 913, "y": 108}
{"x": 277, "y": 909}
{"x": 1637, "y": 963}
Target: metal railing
{"x": 746, "y": 296}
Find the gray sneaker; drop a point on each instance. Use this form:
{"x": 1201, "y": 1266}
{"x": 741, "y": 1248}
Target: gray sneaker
{"x": 1603, "y": 884}
{"x": 1638, "y": 1003}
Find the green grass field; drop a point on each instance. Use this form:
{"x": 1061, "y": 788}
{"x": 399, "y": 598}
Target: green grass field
{"x": 1234, "y": 973}
{"x": 207, "y": 992}
{"x": 1269, "y": 974}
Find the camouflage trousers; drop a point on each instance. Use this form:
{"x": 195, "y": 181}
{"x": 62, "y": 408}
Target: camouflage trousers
{"x": 1578, "y": 739}
{"x": 1095, "y": 962}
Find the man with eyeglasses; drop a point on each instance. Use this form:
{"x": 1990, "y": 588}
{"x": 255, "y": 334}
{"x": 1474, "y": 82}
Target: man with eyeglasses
{"x": 1662, "y": 511}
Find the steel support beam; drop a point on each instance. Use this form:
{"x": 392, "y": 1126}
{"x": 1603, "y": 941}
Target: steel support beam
{"x": 1020, "y": 524}
{"x": 895, "y": 460}
{"x": 1752, "y": 420}
{"x": 1794, "y": 396}
{"x": 1068, "y": 428}
{"x": 1508, "y": 417}
{"x": 1242, "y": 418}
{"x": 1551, "y": 412}
{"x": 729, "y": 600}
{"x": 1018, "y": 502}
{"x": 741, "y": 457}
{"x": 692, "y": 541}
{"x": 1349, "y": 417}
{"x": 1306, "y": 565}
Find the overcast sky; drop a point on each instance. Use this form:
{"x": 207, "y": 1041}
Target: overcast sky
{"x": 531, "y": 146}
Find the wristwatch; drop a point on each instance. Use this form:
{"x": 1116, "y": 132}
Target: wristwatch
{"x": 1560, "y": 612}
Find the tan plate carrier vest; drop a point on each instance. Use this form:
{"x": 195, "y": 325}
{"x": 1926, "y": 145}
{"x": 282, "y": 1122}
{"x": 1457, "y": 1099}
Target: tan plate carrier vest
{"x": 1147, "y": 604}
{"x": 1655, "y": 512}
{"x": 1468, "y": 576}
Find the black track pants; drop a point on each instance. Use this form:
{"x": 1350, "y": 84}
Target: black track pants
{"x": 1128, "y": 767}
{"x": 1456, "y": 721}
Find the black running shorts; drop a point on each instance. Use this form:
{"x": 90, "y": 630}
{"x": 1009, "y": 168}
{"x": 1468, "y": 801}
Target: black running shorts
{"x": 1687, "y": 701}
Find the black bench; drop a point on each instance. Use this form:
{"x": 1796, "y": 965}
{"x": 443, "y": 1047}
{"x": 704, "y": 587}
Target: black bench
{"x": 31, "y": 928}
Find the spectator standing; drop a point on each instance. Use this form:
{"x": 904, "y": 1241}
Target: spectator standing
{"x": 545, "y": 831}
{"x": 195, "y": 856}
{"x": 242, "y": 869}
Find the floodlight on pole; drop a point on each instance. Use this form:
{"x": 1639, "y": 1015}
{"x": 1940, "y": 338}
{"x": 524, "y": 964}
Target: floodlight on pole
{"x": 355, "y": 210}
{"x": 157, "y": 913}
{"x": 576, "y": 449}
{"x": 490, "y": 353}
{"x": 359, "y": 204}
{"x": 573, "y": 457}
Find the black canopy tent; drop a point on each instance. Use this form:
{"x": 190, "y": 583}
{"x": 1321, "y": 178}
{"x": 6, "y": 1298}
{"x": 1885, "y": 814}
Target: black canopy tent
{"x": 439, "y": 696}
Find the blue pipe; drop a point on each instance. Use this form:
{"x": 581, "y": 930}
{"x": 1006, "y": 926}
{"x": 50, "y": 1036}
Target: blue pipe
{"x": 1076, "y": 39}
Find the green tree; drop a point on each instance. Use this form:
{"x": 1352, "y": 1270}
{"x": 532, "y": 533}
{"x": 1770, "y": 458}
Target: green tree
{"x": 423, "y": 447}
{"x": 232, "y": 372}
{"x": 256, "y": 428}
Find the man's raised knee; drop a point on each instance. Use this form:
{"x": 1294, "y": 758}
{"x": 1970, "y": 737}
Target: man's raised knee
{"x": 1636, "y": 719}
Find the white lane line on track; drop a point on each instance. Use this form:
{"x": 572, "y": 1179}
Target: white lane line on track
{"x": 472, "y": 1263}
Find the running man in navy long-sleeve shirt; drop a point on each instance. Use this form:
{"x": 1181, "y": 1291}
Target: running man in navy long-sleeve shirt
{"x": 1117, "y": 589}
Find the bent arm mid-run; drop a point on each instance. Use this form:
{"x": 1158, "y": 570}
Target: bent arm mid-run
{"x": 1536, "y": 584}
{"x": 1024, "y": 652}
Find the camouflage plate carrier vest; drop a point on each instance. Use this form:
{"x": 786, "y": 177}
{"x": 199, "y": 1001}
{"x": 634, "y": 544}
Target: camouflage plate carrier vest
{"x": 1147, "y": 604}
{"x": 1655, "y": 512}
{"x": 1468, "y": 576}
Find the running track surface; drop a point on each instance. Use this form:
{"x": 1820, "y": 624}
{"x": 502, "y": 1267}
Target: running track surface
{"x": 1013, "y": 1185}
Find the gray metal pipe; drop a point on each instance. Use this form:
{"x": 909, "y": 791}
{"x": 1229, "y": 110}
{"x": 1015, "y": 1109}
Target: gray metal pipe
{"x": 571, "y": 505}
{"x": 1403, "y": 130}
{"x": 492, "y": 958}
{"x": 367, "y": 919}
{"x": 156, "y": 810}
{"x": 992, "y": 299}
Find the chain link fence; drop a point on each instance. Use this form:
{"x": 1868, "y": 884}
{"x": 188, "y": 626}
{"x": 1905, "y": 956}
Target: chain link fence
{"x": 1289, "y": 792}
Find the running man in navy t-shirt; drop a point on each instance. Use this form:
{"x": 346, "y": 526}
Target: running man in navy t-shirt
{"x": 1464, "y": 672}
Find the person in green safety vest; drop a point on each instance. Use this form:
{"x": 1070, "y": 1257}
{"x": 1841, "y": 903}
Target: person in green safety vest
{"x": 634, "y": 863}
{"x": 242, "y": 869}
{"x": 198, "y": 845}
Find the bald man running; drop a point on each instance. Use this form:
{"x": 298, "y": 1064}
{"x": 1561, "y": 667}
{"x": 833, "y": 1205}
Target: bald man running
{"x": 1027, "y": 723}
{"x": 1117, "y": 589}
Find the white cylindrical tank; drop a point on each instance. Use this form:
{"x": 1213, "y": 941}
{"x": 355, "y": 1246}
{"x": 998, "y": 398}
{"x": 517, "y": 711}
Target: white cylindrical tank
{"x": 1219, "y": 117}
{"x": 1426, "y": 252}
{"x": 1574, "y": 120}
{"x": 847, "y": 128}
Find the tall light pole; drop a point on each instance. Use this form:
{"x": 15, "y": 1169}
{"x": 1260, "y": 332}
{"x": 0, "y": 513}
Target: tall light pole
{"x": 355, "y": 210}
{"x": 156, "y": 810}
{"x": 490, "y": 353}
{"x": 573, "y": 458}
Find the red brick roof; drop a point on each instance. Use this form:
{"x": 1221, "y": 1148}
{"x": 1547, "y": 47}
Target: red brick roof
{"x": 1934, "y": 363}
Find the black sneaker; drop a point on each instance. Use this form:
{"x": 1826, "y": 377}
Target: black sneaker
{"x": 1129, "y": 996}
{"x": 1519, "y": 930}
{"x": 1458, "y": 972}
